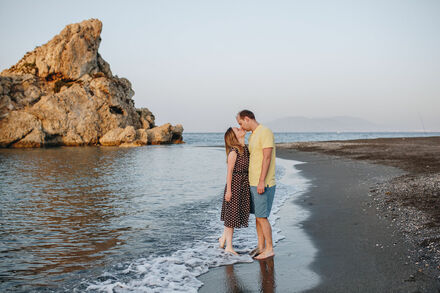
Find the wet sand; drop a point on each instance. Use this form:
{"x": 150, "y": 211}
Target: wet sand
{"x": 411, "y": 201}
{"x": 359, "y": 249}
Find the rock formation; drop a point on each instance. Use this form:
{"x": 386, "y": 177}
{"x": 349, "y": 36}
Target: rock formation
{"x": 64, "y": 93}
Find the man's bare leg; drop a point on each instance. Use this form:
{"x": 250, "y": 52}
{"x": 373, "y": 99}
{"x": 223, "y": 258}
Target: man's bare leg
{"x": 267, "y": 234}
{"x": 260, "y": 246}
{"x": 260, "y": 235}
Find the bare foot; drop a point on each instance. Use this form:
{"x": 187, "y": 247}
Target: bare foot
{"x": 254, "y": 252}
{"x": 265, "y": 254}
{"x": 221, "y": 242}
{"x": 230, "y": 250}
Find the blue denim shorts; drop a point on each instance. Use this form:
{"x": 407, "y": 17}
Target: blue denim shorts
{"x": 261, "y": 204}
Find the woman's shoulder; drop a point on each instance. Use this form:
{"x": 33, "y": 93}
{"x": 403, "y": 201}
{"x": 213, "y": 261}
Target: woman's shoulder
{"x": 233, "y": 149}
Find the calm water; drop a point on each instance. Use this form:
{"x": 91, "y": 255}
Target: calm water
{"x": 103, "y": 218}
{"x": 216, "y": 139}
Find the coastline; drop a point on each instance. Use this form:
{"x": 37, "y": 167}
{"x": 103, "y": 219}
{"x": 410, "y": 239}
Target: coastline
{"x": 410, "y": 201}
{"x": 359, "y": 249}
{"x": 241, "y": 277}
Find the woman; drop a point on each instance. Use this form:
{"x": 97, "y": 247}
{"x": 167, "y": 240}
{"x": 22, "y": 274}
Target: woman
{"x": 237, "y": 196}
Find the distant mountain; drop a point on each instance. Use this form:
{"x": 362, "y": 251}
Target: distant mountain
{"x": 325, "y": 124}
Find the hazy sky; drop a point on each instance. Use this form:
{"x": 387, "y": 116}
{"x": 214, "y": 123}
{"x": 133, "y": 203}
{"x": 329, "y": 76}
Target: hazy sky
{"x": 199, "y": 62}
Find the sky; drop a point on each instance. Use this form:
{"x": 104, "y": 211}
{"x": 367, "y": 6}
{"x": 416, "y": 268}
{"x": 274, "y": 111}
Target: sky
{"x": 198, "y": 63}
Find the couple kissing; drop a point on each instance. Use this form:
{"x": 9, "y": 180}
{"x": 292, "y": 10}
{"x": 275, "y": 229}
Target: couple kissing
{"x": 250, "y": 183}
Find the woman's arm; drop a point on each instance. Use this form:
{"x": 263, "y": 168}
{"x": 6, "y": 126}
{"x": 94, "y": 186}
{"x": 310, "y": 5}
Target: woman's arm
{"x": 232, "y": 157}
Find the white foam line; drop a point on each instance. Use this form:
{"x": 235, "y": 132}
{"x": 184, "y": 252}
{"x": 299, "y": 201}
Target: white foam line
{"x": 178, "y": 272}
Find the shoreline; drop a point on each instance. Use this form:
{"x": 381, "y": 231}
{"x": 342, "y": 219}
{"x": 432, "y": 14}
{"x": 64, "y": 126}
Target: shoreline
{"x": 240, "y": 277}
{"x": 358, "y": 247}
{"x": 410, "y": 201}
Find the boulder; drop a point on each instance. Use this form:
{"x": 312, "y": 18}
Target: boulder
{"x": 19, "y": 125}
{"x": 119, "y": 135}
{"x": 64, "y": 93}
{"x": 165, "y": 134}
{"x": 70, "y": 54}
{"x": 146, "y": 118}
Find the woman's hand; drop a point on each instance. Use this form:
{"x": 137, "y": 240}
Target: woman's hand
{"x": 228, "y": 195}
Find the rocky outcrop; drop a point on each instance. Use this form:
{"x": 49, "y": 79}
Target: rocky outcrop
{"x": 64, "y": 93}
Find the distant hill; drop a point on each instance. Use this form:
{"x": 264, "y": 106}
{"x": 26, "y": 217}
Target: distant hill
{"x": 325, "y": 124}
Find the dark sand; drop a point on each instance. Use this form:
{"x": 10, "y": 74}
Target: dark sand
{"x": 412, "y": 200}
{"x": 358, "y": 249}
{"x": 412, "y": 154}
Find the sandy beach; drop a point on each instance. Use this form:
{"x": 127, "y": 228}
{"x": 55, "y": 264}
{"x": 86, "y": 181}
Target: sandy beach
{"x": 372, "y": 219}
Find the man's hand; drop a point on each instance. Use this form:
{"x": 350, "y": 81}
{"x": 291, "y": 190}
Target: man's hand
{"x": 260, "y": 187}
{"x": 228, "y": 195}
{"x": 267, "y": 155}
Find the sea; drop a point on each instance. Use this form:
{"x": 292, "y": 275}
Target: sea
{"x": 143, "y": 219}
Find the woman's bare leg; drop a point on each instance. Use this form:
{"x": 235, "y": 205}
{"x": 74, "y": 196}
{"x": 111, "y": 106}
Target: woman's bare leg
{"x": 229, "y": 232}
{"x": 222, "y": 239}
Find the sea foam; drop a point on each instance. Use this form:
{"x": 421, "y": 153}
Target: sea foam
{"x": 178, "y": 271}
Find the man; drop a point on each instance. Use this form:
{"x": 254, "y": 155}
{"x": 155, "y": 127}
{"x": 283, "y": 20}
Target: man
{"x": 261, "y": 179}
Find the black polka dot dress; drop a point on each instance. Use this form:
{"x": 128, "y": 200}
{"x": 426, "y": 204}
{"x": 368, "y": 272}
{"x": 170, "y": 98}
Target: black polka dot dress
{"x": 235, "y": 213}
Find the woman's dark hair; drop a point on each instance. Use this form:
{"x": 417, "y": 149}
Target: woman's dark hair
{"x": 246, "y": 113}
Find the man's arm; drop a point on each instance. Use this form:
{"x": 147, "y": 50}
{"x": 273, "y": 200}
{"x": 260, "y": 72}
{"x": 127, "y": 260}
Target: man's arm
{"x": 267, "y": 155}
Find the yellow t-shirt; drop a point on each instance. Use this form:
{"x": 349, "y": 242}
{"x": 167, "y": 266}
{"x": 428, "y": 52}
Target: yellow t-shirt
{"x": 262, "y": 137}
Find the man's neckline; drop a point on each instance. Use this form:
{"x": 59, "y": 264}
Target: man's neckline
{"x": 259, "y": 124}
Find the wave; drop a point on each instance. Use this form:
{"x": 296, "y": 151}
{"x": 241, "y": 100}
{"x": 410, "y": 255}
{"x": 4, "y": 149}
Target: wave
{"x": 178, "y": 271}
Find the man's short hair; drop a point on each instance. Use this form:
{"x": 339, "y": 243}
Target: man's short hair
{"x": 246, "y": 113}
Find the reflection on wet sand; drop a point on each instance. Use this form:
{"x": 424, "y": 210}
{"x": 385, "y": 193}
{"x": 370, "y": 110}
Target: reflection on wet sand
{"x": 267, "y": 275}
{"x": 267, "y": 282}
{"x": 234, "y": 285}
